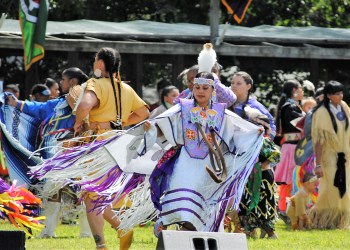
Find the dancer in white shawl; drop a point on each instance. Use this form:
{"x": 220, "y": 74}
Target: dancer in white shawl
{"x": 184, "y": 189}
{"x": 205, "y": 136}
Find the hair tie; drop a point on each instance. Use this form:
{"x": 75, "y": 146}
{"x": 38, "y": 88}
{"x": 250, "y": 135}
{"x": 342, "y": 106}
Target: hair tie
{"x": 283, "y": 95}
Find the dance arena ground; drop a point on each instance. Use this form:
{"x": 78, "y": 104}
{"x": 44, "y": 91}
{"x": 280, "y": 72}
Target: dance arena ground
{"x": 144, "y": 239}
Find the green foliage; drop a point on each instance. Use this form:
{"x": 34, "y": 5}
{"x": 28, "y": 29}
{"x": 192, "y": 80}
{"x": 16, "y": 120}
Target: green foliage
{"x": 66, "y": 10}
{"x": 10, "y": 7}
{"x": 322, "y": 13}
{"x": 268, "y": 78}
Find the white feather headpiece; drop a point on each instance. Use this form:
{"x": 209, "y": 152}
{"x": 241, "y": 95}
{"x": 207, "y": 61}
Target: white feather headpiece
{"x": 206, "y": 58}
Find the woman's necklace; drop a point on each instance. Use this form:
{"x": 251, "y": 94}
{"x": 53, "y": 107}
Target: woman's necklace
{"x": 337, "y": 110}
{"x": 203, "y": 112}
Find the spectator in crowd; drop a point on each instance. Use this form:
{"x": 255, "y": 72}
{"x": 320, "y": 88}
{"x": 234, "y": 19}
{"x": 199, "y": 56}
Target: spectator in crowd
{"x": 13, "y": 88}
{"x": 53, "y": 86}
{"x": 161, "y": 84}
{"x": 288, "y": 109}
{"x": 258, "y": 205}
{"x": 168, "y": 95}
{"x": 330, "y": 138}
{"x": 40, "y": 93}
{"x": 308, "y": 103}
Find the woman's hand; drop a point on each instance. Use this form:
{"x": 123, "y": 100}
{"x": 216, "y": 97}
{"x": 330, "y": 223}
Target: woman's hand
{"x": 12, "y": 101}
{"x": 78, "y": 127}
{"x": 147, "y": 126}
{"x": 319, "y": 172}
{"x": 261, "y": 130}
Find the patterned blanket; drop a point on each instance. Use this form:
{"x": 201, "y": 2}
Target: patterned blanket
{"x": 19, "y": 134}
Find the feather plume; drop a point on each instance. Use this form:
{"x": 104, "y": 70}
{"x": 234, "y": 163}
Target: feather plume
{"x": 309, "y": 85}
{"x": 206, "y": 58}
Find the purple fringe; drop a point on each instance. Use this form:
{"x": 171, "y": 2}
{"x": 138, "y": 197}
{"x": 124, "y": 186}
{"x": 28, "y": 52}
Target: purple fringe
{"x": 103, "y": 183}
{"x": 4, "y": 186}
{"x": 69, "y": 157}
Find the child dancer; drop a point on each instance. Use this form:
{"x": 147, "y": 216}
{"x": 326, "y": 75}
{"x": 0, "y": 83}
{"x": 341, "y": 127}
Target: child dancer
{"x": 297, "y": 205}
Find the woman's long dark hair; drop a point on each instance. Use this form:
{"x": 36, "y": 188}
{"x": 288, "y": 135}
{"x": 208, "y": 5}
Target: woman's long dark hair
{"x": 49, "y": 82}
{"x": 248, "y": 80}
{"x": 206, "y": 75}
{"x": 331, "y": 88}
{"x": 287, "y": 92}
{"x": 75, "y": 73}
{"x": 112, "y": 60}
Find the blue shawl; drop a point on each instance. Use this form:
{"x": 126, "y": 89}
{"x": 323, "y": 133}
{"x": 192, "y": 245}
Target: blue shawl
{"x": 19, "y": 139}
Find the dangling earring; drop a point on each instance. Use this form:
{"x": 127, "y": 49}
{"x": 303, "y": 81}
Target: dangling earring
{"x": 213, "y": 96}
{"x": 97, "y": 73}
{"x": 295, "y": 95}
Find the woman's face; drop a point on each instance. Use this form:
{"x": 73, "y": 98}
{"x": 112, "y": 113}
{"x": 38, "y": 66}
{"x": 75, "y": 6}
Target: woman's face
{"x": 65, "y": 84}
{"x": 298, "y": 93}
{"x": 336, "y": 98}
{"x": 55, "y": 90}
{"x": 171, "y": 96}
{"x": 240, "y": 87}
{"x": 202, "y": 93}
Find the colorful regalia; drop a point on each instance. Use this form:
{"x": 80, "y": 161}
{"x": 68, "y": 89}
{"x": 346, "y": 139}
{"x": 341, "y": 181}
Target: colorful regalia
{"x": 31, "y": 131}
{"x": 290, "y": 137}
{"x": 20, "y": 207}
{"x": 33, "y": 126}
{"x": 258, "y": 204}
{"x": 19, "y": 140}
{"x": 304, "y": 158}
{"x": 179, "y": 187}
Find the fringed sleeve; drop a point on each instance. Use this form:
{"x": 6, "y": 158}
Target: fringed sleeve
{"x": 322, "y": 129}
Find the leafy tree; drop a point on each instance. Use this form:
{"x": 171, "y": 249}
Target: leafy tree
{"x": 322, "y": 13}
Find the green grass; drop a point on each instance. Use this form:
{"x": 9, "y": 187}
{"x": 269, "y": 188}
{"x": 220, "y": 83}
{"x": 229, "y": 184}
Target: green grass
{"x": 144, "y": 239}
